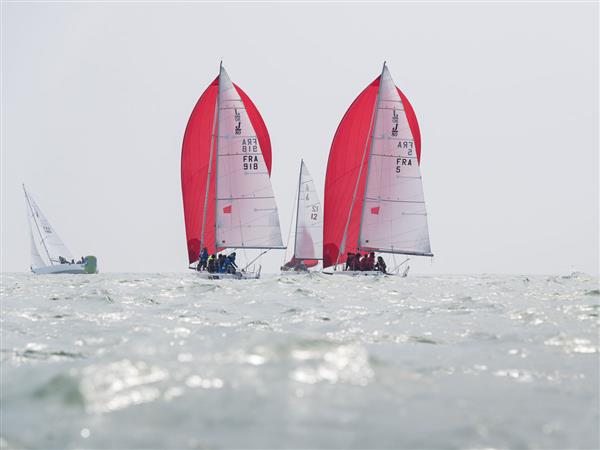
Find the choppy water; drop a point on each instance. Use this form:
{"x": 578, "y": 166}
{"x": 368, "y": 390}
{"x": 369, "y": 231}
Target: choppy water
{"x": 156, "y": 361}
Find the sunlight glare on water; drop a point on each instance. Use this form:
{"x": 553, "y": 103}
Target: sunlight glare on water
{"x": 172, "y": 361}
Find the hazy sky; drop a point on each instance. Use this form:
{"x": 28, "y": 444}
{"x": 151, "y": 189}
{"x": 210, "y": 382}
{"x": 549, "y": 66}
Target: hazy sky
{"x": 96, "y": 97}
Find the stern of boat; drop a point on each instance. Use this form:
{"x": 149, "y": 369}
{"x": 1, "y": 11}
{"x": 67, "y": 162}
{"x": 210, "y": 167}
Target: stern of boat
{"x": 91, "y": 264}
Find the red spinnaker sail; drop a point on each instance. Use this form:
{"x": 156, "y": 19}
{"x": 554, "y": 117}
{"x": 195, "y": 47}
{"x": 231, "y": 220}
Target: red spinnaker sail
{"x": 351, "y": 139}
{"x": 195, "y": 161}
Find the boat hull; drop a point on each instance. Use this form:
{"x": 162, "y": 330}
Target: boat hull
{"x": 60, "y": 268}
{"x": 285, "y": 271}
{"x": 89, "y": 267}
{"x": 229, "y": 276}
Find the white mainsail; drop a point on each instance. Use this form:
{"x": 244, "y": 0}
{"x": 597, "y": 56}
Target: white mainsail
{"x": 309, "y": 219}
{"x": 394, "y": 218}
{"x": 46, "y": 245}
{"x": 246, "y": 212}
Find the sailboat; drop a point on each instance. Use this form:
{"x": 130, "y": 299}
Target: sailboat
{"x": 373, "y": 189}
{"x": 228, "y": 199}
{"x": 49, "y": 254}
{"x": 308, "y": 235}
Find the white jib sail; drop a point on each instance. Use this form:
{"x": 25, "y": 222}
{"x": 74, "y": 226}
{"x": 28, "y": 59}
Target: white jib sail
{"x": 246, "y": 212}
{"x": 309, "y": 219}
{"x": 394, "y": 218}
{"x": 36, "y": 260}
{"x": 46, "y": 245}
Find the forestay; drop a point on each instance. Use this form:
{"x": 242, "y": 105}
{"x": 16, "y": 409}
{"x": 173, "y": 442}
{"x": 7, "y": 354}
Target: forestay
{"x": 309, "y": 219}
{"x": 246, "y": 212}
{"x": 393, "y": 218}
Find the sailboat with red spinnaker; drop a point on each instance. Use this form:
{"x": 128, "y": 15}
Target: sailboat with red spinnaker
{"x": 228, "y": 199}
{"x": 374, "y": 198}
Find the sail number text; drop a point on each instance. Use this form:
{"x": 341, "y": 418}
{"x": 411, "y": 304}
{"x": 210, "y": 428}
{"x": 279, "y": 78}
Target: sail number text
{"x": 250, "y": 162}
{"x": 407, "y": 160}
{"x": 249, "y": 145}
{"x": 314, "y": 213}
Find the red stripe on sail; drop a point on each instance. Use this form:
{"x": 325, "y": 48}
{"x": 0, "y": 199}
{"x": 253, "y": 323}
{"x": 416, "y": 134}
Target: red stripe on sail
{"x": 194, "y": 166}
{"x": 352, "y": 135}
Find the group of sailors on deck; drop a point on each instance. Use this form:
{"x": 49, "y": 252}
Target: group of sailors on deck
{"x": 366, "y": 262}
{"x": 216, "y": 263}
{"x": 63, "y": 260}
{"x": 226, "y": 263}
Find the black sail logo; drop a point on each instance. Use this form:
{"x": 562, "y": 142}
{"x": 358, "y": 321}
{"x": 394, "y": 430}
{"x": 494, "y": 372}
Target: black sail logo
{"x": 395, "y": 117}
{"x": 395, "y": 130}
{"x": 237, "y": 118}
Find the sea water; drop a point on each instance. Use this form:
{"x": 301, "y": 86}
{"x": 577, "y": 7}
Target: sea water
{"x": 305, "y": 361}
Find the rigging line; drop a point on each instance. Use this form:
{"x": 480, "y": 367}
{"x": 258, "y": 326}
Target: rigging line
{"x": 290, "y": 227}
{"x": 208, "y": 178}
{"x": 298, "y": 207}
{"x": 248, "y": 265}
{"x": 397, "y": 268}
{"x": 242, "y": 239}
{"x": 217, "y": 159}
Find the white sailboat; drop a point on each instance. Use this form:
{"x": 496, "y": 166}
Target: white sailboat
{"x": 308, "y": 232}
{"x": 49, "y": 254}
{"x": 376, "y": 151}
{"x": 228, "y": 197}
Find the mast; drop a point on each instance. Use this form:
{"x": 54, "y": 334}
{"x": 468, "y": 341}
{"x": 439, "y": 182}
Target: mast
{"x": 218, "y": 113}
{"x": 370, "y": 155}
{"x": 371, "y": 126}
{"x": 36, "y": 225}
{"x": 208, "y": 178}
{"x": 297, "y": 207}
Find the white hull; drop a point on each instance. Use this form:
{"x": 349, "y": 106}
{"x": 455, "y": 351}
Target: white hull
{"x": 60, "y": 268}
